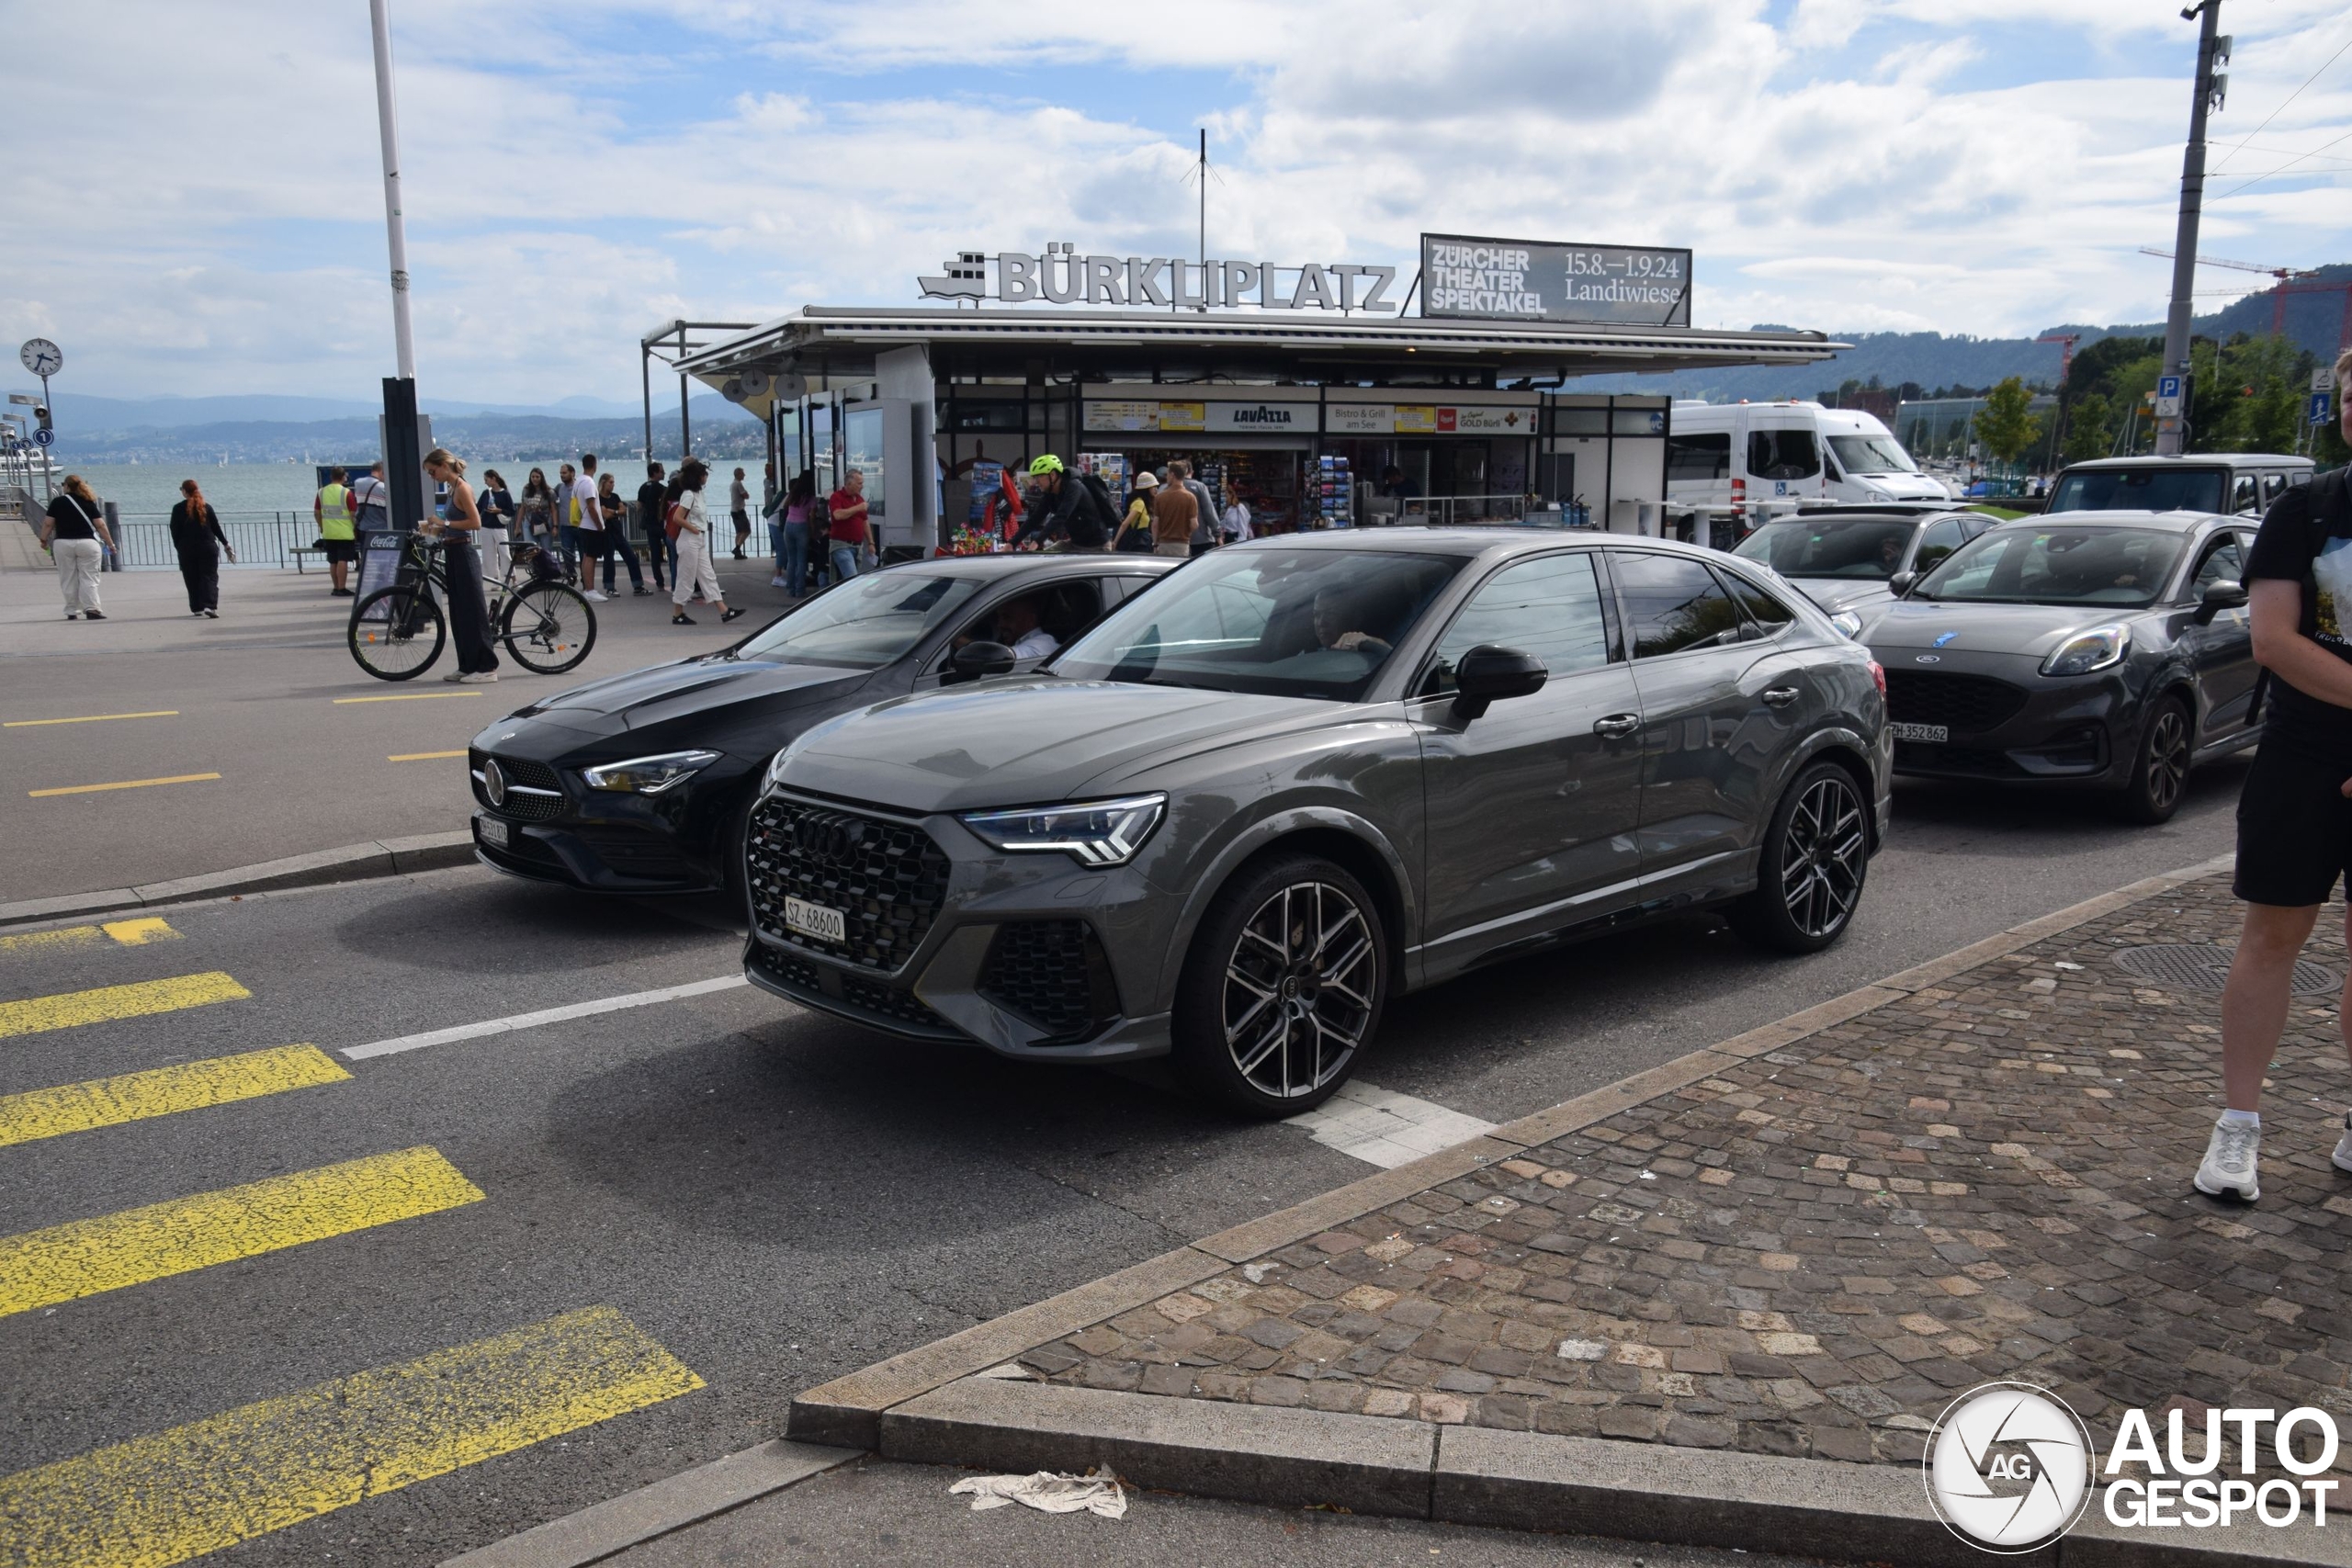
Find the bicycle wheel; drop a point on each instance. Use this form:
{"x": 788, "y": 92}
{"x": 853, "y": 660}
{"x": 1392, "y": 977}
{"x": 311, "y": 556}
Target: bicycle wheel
{"x": 548, "y": 627}
{"x": 397, "y": 632}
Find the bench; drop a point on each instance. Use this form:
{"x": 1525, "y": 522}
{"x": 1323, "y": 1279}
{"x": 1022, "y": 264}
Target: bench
{"x": 298, "y": 551}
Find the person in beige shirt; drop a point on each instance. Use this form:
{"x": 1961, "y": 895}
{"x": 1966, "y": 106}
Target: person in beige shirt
{"x": 1174, "y": 514}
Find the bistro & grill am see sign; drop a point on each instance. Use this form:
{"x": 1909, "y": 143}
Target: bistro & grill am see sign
{"x": 1061, "y": 276}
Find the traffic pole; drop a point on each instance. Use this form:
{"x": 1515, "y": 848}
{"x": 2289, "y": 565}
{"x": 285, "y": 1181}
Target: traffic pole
{"x": 2171, "y": 430}
{"x": 404, "y": 464}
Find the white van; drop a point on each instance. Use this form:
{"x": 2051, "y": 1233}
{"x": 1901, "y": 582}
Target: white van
{"x": 1786, "y": 452}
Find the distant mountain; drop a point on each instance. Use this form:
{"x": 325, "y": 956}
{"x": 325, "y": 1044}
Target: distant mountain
{"x": 2313, "y": 321}
{"x": 81, "y": 414}
{"x": 721, "y": 430}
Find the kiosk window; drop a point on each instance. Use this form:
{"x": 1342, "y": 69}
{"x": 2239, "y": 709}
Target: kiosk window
{"x": 1549, "y": 607}
{"x": 1783, "y": 455}
{"x": 1672, "y": 603}
{"x": 1698, "y": 456}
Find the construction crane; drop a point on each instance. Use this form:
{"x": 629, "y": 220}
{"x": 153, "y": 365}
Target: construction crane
{"x": 2291, "y": 280}
{"x": 2066, "y": 342}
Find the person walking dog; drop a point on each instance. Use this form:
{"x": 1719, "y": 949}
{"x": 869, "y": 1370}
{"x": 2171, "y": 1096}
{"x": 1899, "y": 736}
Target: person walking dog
{"x": 74, "y": 532}
{"x": 198, "y": 540}
{"x": 695, "y": 569}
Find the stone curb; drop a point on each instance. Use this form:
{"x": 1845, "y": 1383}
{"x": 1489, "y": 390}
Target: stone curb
{"x": 608, "y": 1529}
{"x": 851, "y": 1410}
{"x": 1527, "y": 1481}
{"x": 353, "y": 862}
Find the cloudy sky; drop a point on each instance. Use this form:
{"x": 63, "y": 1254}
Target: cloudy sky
{"x": 210, "y": 213}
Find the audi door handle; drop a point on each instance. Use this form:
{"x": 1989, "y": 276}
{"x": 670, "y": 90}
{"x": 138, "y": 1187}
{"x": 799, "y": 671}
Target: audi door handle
{"x": 1781, "y": 696}
{"x": 1617, "y": 725}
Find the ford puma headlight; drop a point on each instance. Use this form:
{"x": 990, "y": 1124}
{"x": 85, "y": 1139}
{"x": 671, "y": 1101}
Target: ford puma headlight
{"x": 1097, "y": 832}
{"x": 647, "y": 775}
{"x": 2096, "y": 649}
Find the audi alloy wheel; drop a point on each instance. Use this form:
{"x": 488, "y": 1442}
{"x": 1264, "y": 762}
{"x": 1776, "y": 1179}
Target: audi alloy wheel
{"x": 1284, "y": 989}
{"x": 1814, "y": 860}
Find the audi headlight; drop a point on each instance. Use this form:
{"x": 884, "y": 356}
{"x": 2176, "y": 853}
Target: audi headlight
{"x": 1850, "y": 622}
{"x": 2096, "y": 649}
{"x": 1098, "y": 832}
{"x": 647, "y": 775}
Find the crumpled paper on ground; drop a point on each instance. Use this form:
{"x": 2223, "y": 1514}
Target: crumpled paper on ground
{"x": 1097, "y": 1492}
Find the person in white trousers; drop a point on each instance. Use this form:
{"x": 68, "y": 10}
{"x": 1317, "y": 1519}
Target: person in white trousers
{"x": 74, "y": 532}
{"x": 695, "y": 569}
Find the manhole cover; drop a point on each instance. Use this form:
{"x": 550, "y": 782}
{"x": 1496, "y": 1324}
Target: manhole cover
{"x": 2202, "y": 966}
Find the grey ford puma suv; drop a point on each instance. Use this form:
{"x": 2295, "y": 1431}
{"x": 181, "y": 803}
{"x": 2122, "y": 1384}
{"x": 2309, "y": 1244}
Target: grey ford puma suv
{"x": 1299, "y": 776}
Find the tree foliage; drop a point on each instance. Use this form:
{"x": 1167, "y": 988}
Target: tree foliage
{"x": 2004, "y": 428}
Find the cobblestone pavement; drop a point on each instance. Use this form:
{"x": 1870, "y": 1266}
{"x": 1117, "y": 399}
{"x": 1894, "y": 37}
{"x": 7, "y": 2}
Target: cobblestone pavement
{"x": 1813, "y": 1253}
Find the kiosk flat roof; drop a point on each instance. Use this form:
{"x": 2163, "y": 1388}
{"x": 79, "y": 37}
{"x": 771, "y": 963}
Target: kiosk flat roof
{"x": 841, "y": 342}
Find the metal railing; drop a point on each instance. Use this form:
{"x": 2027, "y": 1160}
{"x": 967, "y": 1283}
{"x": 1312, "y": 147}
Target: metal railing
{"x": 143, "y": 542}
{"x": 1443, "y": 511}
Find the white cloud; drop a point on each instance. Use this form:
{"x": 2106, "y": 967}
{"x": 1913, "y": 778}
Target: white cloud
{"x": 219, "y": 226}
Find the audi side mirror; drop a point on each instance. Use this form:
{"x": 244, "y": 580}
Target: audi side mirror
{"x": 1901, "y": 582}
{"x": 1489, "y": 674}
{"x": 975, "y": 660}
{"x": 2219, "y": 596}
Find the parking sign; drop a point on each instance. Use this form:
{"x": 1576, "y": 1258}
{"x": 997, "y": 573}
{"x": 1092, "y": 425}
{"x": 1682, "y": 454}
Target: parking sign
{"x": 2167, "y": 396}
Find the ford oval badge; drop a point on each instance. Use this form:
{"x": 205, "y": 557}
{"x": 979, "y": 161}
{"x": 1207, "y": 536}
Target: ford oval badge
{"x": 1929, "y": 658}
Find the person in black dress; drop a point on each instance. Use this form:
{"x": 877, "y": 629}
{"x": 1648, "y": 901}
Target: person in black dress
{"x": 454, "y": 534}
{"x": 197, "y": 538}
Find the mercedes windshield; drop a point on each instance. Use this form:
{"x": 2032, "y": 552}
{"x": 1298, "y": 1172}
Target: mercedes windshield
{"x": 1869, "y": 548}
{"x": 1868, "y": 455}
{"x": 2165, "y": 488}
{"x": 864, "y": 624}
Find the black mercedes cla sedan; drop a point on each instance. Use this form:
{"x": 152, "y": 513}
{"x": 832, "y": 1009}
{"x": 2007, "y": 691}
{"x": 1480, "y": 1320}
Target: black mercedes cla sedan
{"x": 2089, "y": 650}
{"x": 1303, "y": 775}
{"x": 640, "y": 782}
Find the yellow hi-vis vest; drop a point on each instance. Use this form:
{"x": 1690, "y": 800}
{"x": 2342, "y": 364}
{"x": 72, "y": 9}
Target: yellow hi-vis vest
{"x": 335, "y": 513}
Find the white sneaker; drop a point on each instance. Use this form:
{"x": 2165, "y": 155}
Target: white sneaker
{"x": 2230, "y": 1157}
{"x": 777, "y": 582}
{"x": 479, "y": 678}
{"x": 594, "y": 596}
{"x": 454, "y": 676}
{"x": 2342, "y": 1159}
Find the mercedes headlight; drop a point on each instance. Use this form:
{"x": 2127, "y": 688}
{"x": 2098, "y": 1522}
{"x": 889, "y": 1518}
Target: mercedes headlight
{"x": 1097, "y": 832}
{"x": 2096, "y": 649}
{"x": 647, "y": 775}
{"x": 1850, "y": 622}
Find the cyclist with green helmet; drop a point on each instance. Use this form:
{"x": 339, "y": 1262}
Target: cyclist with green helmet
{"x": 1068, "y": 506}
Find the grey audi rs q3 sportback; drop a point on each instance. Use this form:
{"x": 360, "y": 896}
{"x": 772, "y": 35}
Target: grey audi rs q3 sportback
{"x": 1299, "y": 776}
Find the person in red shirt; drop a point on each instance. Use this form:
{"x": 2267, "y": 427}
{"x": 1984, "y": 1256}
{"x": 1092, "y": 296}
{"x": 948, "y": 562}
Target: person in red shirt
{"x": 849, "y": 534}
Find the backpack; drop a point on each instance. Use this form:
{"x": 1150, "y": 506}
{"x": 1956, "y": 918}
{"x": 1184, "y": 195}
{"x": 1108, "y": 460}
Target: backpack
{"x": 1097, "y": 508}
{"x": 672, "y": 519}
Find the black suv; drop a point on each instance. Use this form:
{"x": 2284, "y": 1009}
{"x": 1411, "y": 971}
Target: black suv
{"x": 1301, "y": 774}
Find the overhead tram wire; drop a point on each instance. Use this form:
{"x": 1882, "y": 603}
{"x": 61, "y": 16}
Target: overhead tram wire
{"x": 2282, "y": 168}
{"x": 2290, "y": 97}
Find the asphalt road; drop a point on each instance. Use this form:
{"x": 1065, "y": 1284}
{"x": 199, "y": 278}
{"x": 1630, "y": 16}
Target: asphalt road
{"x": 765, "y": 1198}
{"x": 269, "y": 700}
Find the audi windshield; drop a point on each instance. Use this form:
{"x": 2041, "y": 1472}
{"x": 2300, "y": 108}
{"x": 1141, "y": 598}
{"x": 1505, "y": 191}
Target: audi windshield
{"x": 1267, "y": 622}
{"x": 864, "y": 624}
{"x": 2058, "y": 565}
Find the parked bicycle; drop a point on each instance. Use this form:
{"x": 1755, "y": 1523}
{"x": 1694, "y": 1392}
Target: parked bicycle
{"x": 545, "y": 624}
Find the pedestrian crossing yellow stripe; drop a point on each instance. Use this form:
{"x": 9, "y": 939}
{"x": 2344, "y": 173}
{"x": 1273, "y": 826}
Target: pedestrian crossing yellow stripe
{"x": 127, "y": 934}
{"x": 84, "y": 1257}
{"x": 160, "y": 1091}
{"x": 160, "y": 1500}
{"x": 69, "y": 1010}
{"x": 422, "y": 756}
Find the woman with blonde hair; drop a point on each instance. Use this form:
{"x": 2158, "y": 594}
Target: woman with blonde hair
{"x": 198, "y": 540}
{"x": 74, "y": 534}
{"x": 454, "y": 532}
